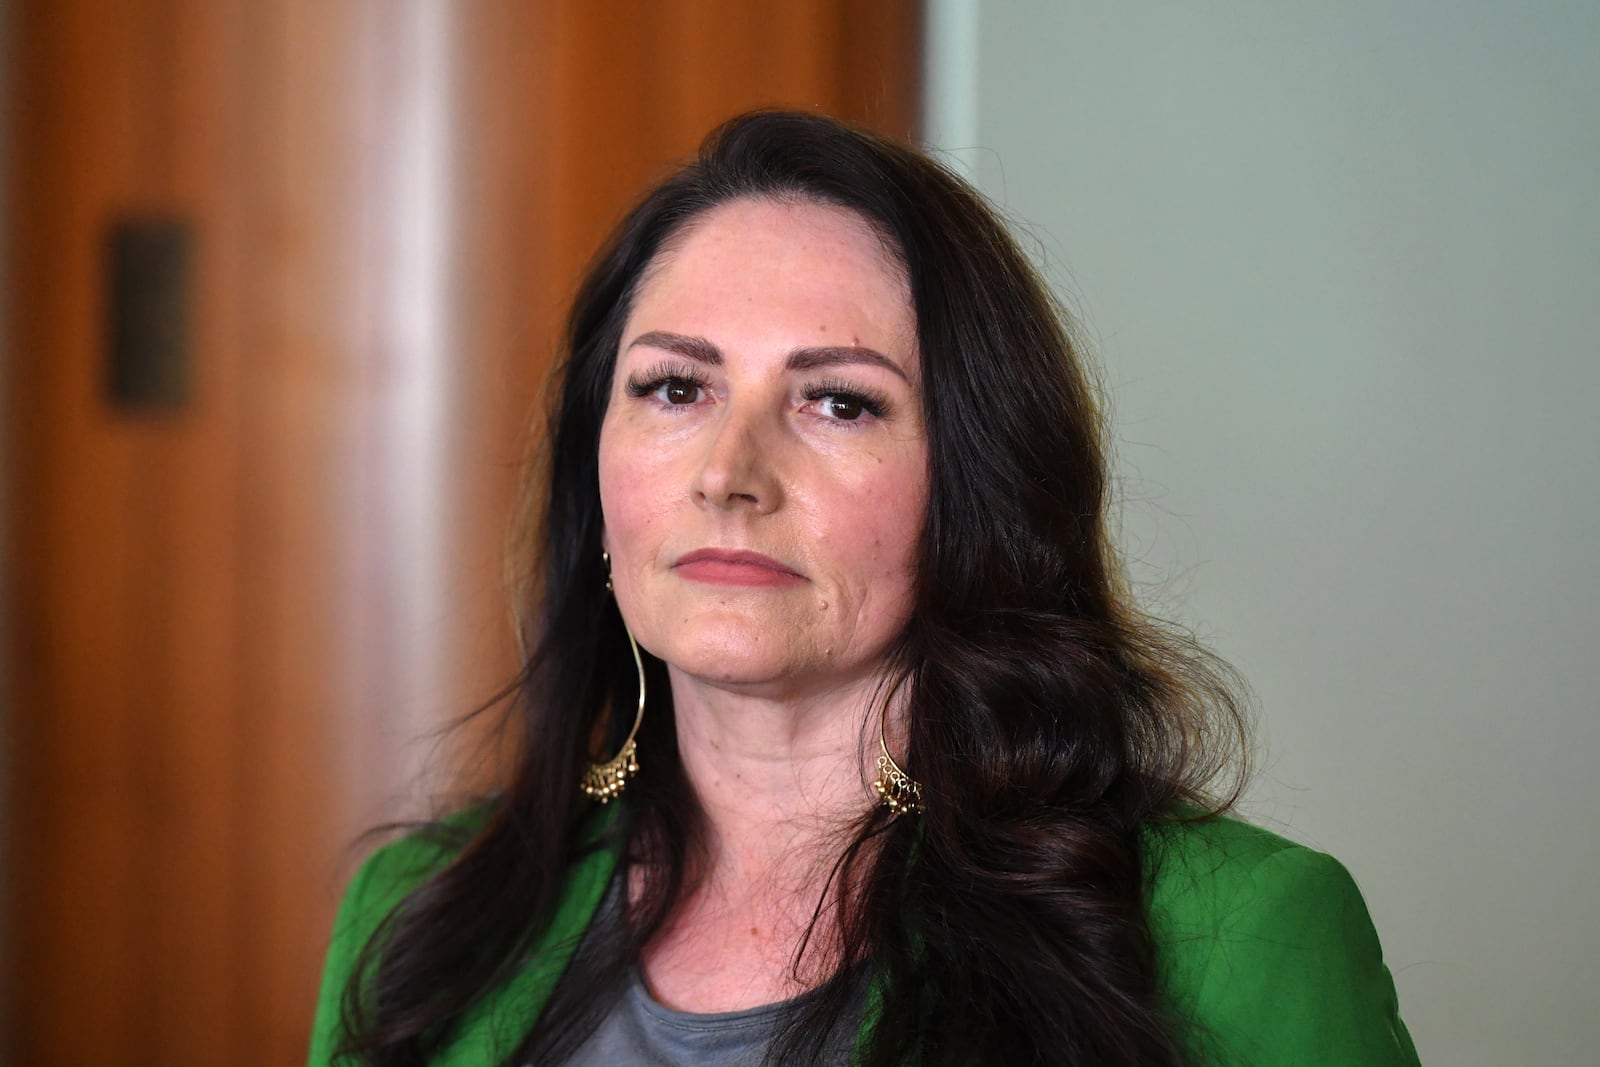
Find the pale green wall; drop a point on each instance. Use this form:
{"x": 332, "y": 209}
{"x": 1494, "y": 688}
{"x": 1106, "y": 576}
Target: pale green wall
{"x": 1342, "y": 265}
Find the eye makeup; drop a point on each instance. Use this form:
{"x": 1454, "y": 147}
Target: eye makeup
{"x": 871, "y": 401}
{"x": 845, "y": 395}
{"x": 645, "y": 382}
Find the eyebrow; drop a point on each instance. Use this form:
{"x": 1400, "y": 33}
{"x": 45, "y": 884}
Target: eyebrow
{"x": 800, "y": 359}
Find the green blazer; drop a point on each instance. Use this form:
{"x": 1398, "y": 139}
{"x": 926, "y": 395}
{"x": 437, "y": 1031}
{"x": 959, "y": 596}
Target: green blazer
{"x": 1265, "y": 947}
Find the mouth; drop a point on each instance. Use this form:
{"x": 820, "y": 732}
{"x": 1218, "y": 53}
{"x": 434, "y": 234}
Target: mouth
{"x": 722, "y": 566}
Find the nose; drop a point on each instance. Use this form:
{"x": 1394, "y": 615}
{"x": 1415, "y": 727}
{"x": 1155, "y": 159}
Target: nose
{"x": 737, "y": 470}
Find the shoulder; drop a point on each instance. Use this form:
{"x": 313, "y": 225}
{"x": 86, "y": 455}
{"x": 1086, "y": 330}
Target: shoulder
{"x": 385, "y": 879}
{"x": 1266, "y": 948}
{"x": 1220, "y": 886}
{"x": 1204, "y": 867}
{"x": 391, "y": 872}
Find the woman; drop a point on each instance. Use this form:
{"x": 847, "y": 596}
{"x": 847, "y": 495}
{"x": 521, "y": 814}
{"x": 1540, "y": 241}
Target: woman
{"x": 895, "y": 771}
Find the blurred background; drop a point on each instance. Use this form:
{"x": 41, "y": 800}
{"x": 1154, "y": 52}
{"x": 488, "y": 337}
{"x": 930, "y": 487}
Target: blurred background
{"x": 282, "y": 281}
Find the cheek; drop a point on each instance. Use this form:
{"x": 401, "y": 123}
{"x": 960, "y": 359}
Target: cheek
{"x": 882, "y": 528}
{"x": 625, "y": 478}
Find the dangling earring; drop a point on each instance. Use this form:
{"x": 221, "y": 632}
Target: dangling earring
{"x": 602, "y": 781}
{"x": 898, "y": 791}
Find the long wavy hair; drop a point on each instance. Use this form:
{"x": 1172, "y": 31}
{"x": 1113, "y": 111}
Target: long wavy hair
{"x": 1049, "y": 721}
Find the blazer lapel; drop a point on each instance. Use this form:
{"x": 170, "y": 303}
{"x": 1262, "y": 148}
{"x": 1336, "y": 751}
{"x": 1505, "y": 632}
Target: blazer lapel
{"x": 493, "y": 1029}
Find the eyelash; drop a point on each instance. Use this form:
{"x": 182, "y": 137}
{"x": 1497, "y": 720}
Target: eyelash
{"x": 872, "y": 402}
{"x": 648, "y": 382}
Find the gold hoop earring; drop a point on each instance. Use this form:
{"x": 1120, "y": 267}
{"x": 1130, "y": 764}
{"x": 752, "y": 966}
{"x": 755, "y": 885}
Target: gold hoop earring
{"x": 603, "y": 781}
{"x": 896, "y": 789}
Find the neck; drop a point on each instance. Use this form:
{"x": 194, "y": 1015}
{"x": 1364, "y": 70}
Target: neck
{"x": 781, "y": 782}
{"x": 780, "y": 779}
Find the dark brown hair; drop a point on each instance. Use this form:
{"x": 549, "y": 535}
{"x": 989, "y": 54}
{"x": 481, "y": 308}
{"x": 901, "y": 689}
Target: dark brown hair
{"x": 1050, "y": 722}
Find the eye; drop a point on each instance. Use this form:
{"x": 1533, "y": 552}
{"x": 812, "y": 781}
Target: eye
{"x": 678, "y": 391}
{"x": 838, "y": 402}
{"x": 672, "y": 385}
{"x": 845, "y": 407}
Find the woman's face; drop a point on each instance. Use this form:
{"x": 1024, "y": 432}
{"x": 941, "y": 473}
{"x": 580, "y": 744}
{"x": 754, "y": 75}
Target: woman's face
{"x": 763, "y": 464}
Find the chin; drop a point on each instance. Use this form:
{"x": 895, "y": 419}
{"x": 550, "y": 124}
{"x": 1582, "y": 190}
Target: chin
{"x": 719, "y": 663}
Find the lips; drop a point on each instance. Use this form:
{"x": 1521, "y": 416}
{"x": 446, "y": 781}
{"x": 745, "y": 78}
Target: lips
{"x": 722, "y": 566}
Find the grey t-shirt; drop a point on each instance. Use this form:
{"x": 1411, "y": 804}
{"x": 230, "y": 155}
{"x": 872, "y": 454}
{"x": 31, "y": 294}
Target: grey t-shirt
{"x": 641, "y": 1032}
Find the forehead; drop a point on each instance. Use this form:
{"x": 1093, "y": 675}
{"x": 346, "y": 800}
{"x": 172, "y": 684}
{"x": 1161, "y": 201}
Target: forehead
{"x": 792, "y": 267}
